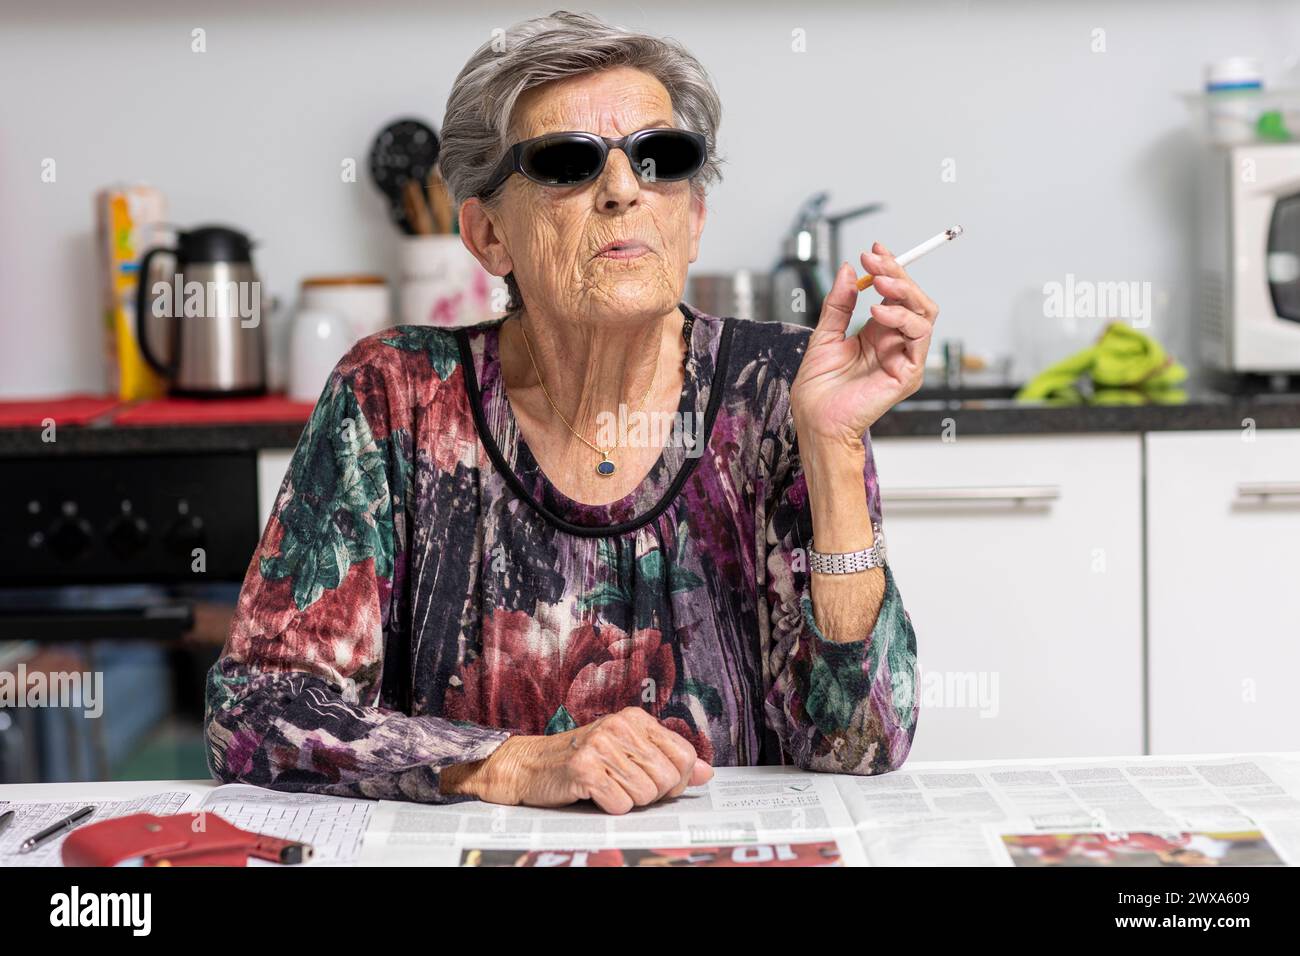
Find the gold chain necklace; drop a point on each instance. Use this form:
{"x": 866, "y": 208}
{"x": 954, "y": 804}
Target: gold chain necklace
{"x": 604, "y": 467}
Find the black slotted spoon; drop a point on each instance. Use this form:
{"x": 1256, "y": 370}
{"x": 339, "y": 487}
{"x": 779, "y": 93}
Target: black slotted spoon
{"x": 405, "y": 149}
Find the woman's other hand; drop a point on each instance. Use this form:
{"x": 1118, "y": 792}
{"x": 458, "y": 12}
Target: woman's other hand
{"x": 619, "y": 761}
{"x": 845, "y": 384}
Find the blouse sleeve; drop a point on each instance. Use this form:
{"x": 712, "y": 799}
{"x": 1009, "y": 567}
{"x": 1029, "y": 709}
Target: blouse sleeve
{"x": 294, "y": 702}
{"x": 836, "y": 707}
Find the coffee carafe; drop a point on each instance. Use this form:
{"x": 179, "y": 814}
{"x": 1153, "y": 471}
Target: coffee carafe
{"x": 213, "y": 307}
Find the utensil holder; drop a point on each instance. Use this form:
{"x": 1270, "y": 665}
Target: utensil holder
{"x": 443, "y": 284}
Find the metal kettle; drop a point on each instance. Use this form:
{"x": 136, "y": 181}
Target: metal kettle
{"x": 213, "y": 306}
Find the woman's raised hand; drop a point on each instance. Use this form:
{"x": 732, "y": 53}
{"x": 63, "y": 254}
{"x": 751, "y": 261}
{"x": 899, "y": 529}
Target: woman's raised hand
{"x": 845, "y": 384}
{"x": 620, "y": 761}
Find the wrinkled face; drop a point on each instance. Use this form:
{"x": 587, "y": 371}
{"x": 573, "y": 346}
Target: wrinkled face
{"x": 552, "y": 236}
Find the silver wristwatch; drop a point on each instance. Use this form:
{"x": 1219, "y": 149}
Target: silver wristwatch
{"x": 849, "y": 562}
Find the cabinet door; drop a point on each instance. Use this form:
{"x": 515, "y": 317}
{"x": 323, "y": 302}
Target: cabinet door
{"x": 272, "y": 463}
{"x": 1223, "y": 580}
{"x": 1019, "y": 561}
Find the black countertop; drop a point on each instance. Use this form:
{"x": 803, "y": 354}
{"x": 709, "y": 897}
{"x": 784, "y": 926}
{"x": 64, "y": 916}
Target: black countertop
{"x": 1203, "y": 411}
{"x": 109, "y": 439}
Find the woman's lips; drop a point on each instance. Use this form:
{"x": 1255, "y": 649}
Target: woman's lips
{"x": 623, "y": 250}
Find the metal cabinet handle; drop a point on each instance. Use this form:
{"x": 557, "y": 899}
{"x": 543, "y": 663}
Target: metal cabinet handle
{"x": 1012, "y": 493}
{"x": 1261, "y": 491}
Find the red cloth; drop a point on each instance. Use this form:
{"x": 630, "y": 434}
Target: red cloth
{"x": 65, "y": 410}
{"x": 215, "y": 411}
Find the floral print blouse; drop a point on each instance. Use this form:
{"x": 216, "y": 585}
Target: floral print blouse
{"x": 422, "y": 591}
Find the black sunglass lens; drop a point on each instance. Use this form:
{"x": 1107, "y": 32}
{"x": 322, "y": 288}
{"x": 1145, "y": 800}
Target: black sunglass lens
{"x": 668, "y": 155}
{"x": 562, "y": 162}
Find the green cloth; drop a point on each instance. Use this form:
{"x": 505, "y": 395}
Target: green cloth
{"x": 1125, "y": 367}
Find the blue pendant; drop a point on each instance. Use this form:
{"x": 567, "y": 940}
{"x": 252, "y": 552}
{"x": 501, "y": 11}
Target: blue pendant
{"x": 605, "y": 468}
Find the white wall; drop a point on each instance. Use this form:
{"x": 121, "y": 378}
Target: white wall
{"x": 1068, "y": 161}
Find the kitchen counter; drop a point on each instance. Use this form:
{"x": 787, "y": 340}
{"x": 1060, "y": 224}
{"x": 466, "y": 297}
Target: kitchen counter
{"x": 1203, "y": 411}
{"x": 91, "y": 425}
{"x": 150, "y": 439}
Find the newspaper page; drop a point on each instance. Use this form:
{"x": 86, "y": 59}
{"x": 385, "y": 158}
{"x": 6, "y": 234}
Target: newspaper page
{"x": 332, "y": 826}
{"x": 743, "y": 817}
{"x": 33, "y": 816}
{"x": 1181, "y": 811}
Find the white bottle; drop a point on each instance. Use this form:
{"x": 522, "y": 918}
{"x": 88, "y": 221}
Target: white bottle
{"x": 1233, "y": 90}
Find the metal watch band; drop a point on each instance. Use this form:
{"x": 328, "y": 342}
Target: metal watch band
{"x": 849, "y": 562}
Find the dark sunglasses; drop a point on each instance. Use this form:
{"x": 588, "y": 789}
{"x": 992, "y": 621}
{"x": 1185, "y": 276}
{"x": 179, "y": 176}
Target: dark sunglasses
{"x": 658, "y": 154}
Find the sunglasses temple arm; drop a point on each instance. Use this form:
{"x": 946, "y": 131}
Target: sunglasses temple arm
{"x": 506, "y": 167}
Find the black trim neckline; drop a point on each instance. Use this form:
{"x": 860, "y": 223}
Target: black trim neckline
{"x": 717, "y": 386}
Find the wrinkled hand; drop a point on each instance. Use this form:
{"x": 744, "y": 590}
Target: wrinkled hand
{"x": 845, "y": 384}
{"x": 620, "y": 761}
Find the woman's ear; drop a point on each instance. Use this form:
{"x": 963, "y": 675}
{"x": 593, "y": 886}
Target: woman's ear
{"x": 698, "y": 214}
{"x": 479, "y": 234}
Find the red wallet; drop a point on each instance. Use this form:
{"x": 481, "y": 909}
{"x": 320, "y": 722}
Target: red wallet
{"x": 184, "y": 839}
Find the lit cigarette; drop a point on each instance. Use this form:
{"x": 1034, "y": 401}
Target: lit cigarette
{"x": 911, "y": 255}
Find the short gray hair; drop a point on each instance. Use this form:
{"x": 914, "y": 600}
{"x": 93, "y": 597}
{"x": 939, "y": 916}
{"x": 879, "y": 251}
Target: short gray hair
{"x": 476, "y": 127}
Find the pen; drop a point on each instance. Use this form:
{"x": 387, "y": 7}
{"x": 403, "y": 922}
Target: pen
{"x": 53, "y": 830}
{"x": 911, "y": 255}
{"x": 5, "y": 820}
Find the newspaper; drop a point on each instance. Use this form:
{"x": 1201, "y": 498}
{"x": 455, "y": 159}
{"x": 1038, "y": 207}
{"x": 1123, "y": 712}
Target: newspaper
{"x": 333, "y": 826}
{"x": 743, "y": 816}
{"x": 1141, "y": 811}
{"x": 31, "y": 817}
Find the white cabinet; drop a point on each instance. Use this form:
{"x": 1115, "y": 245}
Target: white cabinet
{"x": 1223, "y": 584}
{"x": 272, "y": 463}
{"x": 1019, "y": 559}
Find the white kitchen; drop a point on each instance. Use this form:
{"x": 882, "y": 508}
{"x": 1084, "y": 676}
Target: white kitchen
{"x": 1087, "y": 504}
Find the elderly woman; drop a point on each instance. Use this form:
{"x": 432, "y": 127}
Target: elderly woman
{"x": 485, "y": 577}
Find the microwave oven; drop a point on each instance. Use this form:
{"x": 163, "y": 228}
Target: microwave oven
{"x": 1249, "y": 258}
